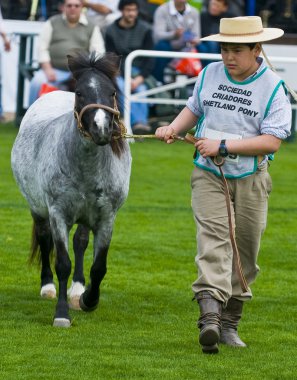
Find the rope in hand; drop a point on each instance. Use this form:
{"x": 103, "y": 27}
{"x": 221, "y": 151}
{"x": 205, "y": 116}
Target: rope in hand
{"x": 219, "y": 162}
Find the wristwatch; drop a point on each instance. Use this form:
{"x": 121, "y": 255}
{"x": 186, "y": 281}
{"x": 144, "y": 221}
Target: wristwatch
{"x": 223, "y": 151}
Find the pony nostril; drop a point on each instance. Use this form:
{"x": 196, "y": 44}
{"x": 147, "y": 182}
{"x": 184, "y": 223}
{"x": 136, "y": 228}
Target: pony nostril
{"x": 101, "y": 136}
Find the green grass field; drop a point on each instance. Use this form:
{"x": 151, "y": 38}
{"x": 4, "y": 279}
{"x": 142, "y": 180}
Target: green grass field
{"x": 145, "y": 326}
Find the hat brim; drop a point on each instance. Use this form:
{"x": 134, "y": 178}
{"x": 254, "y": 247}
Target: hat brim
{"x": 266, "y": 35}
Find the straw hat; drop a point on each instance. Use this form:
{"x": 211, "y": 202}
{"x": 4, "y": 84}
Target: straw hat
{"x": 246, "y": 29}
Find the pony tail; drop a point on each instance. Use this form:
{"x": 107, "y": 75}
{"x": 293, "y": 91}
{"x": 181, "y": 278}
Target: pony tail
{"x": 35, "y": 253}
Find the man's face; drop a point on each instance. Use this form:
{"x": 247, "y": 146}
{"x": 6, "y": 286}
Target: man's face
{"x": 130, "y": 13}
{"x": 72, "y": 10}
{"x": 217, "y": 7}
{"x": 180, "y": 3}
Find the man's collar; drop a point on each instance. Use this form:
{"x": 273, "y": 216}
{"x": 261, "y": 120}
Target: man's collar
{"x": 82, "y": 19}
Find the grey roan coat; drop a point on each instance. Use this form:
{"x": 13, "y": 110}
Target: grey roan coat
{"x": 71, "y": 176}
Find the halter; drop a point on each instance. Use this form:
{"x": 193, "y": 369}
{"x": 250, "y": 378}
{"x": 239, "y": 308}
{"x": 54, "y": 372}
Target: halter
{"x": 115, "y": 117}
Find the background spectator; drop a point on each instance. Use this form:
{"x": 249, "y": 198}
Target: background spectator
{"x": 176, "y": 25}
{"x": 63, "y": 34}
{"x": 125, "y": 35}
{"x": 236, "y": 7}
{"x": 102, "y": 12}
{"x": 6, "y": 43}
{"x": 16, "y": 10}
{"x": 21, "y": 9}
{"x": 210, "y": 24}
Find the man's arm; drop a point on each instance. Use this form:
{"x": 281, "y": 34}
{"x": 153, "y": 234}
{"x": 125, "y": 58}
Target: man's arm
{"x": 44, "y": 43}
{"x": 96, "y": 41}
{"x": 43, "y": 51}
{"x": 159, "y": 25}
{"x": 99, "y": 8}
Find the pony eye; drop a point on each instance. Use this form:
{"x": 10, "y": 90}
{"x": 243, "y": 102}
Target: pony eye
{"x": 78, "y": 93}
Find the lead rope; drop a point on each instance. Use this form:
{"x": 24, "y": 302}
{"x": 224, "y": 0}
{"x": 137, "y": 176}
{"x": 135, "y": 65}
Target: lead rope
{"x": 291, "y": 91}
{"x": 219, "y": 162}
{"x": 190, "y": 139}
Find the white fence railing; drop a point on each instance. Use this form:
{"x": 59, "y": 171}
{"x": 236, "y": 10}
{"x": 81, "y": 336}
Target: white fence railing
{"x": 142, "y": 97}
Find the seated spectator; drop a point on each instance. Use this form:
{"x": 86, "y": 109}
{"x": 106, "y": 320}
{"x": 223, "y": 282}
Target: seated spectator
{"x": 210, "y": 24}
{"x": 125, "y": 35}
{"x": 102, "y": 12}
{"x": 235, "y": 7}
{"x": 16, "y": 10}
{"x": 63, "y": 34}
{"x": 6, "y": 43}
{"x": 176, "y": 25}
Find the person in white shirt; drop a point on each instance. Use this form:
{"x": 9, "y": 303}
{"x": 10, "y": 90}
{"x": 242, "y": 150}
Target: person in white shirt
{"x": 63, "y": 34}
{"x": 242, "y": 114}
{"x": 176, "y": 25}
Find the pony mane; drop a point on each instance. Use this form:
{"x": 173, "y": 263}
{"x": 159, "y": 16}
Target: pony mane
{"x": 81, "y": 61}
{"x": 108, "y": 64}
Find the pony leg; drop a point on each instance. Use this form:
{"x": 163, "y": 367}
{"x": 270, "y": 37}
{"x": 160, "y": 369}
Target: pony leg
{"x": 80, "y": 244}
{"x": 90, "y": 298}
{"x": 60, "y": 234}
{"x": 42, "y": 239}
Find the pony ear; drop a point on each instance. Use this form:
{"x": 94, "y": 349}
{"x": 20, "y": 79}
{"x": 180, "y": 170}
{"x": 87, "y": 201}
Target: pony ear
{"x": 72, "y": 64}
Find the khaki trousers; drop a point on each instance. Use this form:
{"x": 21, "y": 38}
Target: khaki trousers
{"x": 249, "y": 202}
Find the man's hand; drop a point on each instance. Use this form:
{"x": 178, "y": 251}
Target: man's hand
{"x": 208, "y": 147}
{"x": 50, "y": 74}
{"x": 7, "y": 46}
{"x": 179, "y": 32}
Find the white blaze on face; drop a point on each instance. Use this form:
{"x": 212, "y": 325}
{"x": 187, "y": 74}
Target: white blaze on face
{"x": 101, "y": 118}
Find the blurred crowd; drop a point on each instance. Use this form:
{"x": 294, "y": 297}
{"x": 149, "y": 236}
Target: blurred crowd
{"x": 122, "y": 26}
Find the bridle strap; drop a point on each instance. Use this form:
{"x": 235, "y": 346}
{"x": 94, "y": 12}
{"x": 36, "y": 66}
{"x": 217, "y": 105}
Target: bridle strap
{"x": 78, "y": 116}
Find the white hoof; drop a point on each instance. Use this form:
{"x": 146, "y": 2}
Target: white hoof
{"x": 61, "y": 322}
{"x": 48, "y": 291}
{"x": 74, "y": 293}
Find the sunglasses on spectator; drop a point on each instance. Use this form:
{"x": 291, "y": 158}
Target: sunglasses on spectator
{"x": 73, "y": 5}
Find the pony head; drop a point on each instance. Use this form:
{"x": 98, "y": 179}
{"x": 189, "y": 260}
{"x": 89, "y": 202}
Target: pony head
{"x": 96, "y": 90}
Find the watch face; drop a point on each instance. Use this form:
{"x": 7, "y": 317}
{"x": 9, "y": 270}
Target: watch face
{"x": 223, "y": 151}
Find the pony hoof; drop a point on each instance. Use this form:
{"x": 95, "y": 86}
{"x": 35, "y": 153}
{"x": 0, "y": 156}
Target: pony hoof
{"x": 61, "y": 322}
{"x": 74, "y": 293}
{"x": 48, "y": 291}
{"x": 84, "y": 307}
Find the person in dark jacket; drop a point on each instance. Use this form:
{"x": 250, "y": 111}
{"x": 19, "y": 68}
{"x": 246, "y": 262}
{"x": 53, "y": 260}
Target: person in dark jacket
{"x": 123, "y": 36}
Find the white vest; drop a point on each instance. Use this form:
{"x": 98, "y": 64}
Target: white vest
{"x": 233, "y": 110}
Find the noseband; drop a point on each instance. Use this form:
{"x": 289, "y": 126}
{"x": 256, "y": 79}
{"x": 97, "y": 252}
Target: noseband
{"x": 114, "y": 111}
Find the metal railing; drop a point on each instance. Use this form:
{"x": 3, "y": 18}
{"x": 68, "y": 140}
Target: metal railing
{"x": 142, "y": 97}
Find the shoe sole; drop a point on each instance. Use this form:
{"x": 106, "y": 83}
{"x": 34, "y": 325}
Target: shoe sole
{"x": 214, "y": 349}
{"x": 209, "y": 336}
{"x": 209, "y": 339}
